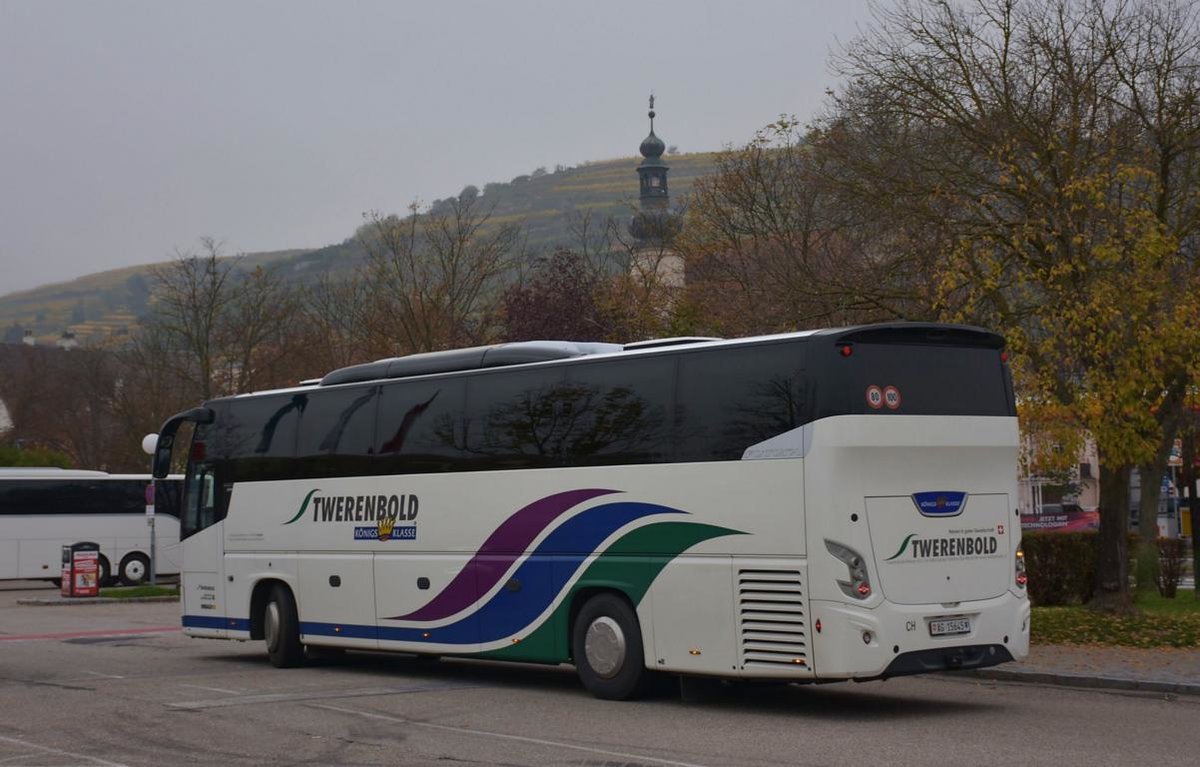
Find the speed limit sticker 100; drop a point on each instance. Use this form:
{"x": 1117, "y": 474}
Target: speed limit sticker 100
{"x": 891, "y": 397}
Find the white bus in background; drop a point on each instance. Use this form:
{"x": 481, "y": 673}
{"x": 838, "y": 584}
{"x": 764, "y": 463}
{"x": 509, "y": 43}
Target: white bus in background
{"x": 823, "y": 505}
{"x": 42, "y": 510}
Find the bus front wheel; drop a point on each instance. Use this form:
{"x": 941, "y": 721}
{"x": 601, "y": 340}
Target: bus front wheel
{"x": 281, "y": 629}
{"x": 606, "y": 643}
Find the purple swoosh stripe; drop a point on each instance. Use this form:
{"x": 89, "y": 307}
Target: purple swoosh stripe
{"x": 498, "y": 553}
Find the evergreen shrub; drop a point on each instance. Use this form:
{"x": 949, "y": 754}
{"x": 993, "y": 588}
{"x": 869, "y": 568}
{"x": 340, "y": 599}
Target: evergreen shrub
{"x": 1061, "y": 567}
{"x": 1171, "y": 556}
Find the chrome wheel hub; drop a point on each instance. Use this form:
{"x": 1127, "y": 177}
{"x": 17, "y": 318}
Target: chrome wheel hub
{"x": 271, "y": 626}
{"x": 604, "y": 646}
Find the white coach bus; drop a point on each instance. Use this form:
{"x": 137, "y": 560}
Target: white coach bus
{"x": 831, "y": 504}
{"x": 42, "y": 510}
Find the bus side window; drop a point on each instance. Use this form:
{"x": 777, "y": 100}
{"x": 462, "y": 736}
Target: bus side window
{"x": 620, "y": 412}
{"x": 730, "y": 399}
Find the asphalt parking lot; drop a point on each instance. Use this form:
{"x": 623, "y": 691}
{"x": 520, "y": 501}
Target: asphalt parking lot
{"x": 119, "y": 685}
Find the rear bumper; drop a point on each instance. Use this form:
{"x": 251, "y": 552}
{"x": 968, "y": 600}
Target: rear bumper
{"x": 895, "y": 640}
{"x": 946, "y": 659}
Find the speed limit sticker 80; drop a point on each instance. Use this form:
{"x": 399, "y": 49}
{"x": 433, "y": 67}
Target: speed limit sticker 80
{"x": 880, "y": 397}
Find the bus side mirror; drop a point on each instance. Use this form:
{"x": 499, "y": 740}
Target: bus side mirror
{"x": 162, "y": 456}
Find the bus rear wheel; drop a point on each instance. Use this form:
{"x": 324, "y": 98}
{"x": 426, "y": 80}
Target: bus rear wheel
{"x": 134, "y": 569}
{"x": 281, "y": 629}
{"x": 606, "y": 643}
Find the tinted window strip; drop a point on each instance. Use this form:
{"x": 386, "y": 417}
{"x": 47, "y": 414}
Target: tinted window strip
{"x": 819, "y": 382}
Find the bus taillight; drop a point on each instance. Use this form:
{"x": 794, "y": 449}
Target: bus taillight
{"x": 1022, "y": 578}
{"x": 859, "y": 585}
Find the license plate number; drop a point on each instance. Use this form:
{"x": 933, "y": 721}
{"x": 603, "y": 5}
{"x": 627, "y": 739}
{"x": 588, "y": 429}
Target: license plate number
{"x": 949, "y": 626}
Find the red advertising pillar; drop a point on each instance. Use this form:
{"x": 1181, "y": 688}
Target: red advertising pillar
{"x": 81, "y": 570}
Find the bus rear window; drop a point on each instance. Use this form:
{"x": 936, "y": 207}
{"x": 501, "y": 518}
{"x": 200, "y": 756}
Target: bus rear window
{"x": 924, "y": 379}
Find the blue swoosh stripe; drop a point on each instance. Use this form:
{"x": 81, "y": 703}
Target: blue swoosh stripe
{"x": 542, "y": 577}
{"x": 216, "y": 622}
{"x": 347, "y": 630}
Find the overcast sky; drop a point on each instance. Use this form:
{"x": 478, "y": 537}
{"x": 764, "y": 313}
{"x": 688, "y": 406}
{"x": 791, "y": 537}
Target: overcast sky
{"x": 129, "y": 129}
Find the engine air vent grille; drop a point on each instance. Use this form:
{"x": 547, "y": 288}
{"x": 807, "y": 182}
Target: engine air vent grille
{"x": 772, "y": 625}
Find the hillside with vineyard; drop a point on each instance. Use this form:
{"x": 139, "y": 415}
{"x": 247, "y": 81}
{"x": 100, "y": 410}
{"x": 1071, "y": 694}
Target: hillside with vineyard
{"x": 103, "y": 307}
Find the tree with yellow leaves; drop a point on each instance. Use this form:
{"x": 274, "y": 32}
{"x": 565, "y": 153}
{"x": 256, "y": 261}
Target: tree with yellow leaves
{"x": 1059, "y": 143}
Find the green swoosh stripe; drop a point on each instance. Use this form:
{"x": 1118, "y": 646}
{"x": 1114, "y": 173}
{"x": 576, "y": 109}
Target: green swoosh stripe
{"x": 903, "y": 546}
{"x": 630, "y": 565}
{"x": 303, "y": 506}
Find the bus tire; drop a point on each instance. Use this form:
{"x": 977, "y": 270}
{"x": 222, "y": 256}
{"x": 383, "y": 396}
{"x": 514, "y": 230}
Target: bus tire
{"x": 105, "y": 571}
{"x": 281, "y": 629}
{"x": 606, "y": 643}
{"x": 134, "y": 569}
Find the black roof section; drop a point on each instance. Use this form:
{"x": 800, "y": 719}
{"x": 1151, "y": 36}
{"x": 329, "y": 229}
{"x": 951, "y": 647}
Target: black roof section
{"x": 934, "y": 333}
{"x": 519, "y": 353}
{"x": 474, "y": 358}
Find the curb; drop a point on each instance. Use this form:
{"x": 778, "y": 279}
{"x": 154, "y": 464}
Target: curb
{"x": 1087, "y": 681}
{"x": 81, "y": 601}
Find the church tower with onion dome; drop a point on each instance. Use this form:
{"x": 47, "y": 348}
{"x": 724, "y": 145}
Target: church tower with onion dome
{"x": 655, "y": 225}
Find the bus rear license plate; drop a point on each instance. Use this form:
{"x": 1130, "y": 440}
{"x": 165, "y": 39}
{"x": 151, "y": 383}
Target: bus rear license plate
{"x": 948, "y": 627}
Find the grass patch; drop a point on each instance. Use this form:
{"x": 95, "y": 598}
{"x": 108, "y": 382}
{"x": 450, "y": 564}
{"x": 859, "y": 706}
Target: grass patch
{"x": 1184, "y": 603}
{"x": 129, "y": 592}
{"x": 1162, "y": 623}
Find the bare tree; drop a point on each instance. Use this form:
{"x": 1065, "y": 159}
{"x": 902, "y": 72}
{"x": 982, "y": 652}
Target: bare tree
{"x": 255, "y": 332}
{"x": 148, "y": 391}
{"x": 777, "y": 235}
{"x": 436, "y": 276}
{"x": 596, "y": 239}
{"x": 227, "y": 328}
{"x": 334, "y": 325}
{"x": 191, "y": 296}
{"x": 63, "y": 400}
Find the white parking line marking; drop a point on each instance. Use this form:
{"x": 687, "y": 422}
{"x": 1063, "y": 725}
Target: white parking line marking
{"x": 60, "y": 752}
{"x": 18, "y": 756}
{"x": 503, "y": 736}
{"x": 213, "y": 689}
{"x": 106, "y": 676}
{"x": 167, "y": 676}
{"x": 289, "y": 697}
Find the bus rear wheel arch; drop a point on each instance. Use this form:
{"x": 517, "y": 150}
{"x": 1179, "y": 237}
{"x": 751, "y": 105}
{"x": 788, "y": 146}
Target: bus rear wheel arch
{"x": 606, "y": 645}
{"x": 134, "y": 569}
